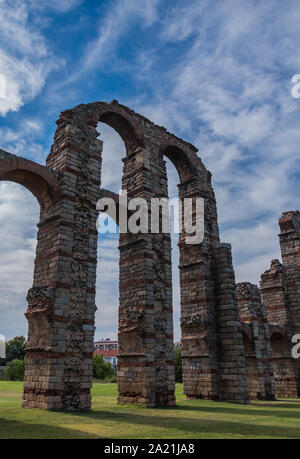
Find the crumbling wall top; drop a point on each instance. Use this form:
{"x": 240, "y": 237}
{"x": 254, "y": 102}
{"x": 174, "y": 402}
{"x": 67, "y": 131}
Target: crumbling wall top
{"x": 290, "y": 221}
{"x": 40, "y": 180}
{"x": 136, "y": 132}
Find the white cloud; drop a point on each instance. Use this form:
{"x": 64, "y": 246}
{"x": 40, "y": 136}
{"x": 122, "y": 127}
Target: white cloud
{"x": 112, "y": 26}
{"x": 64, "y": 5}
{"x": 107, "y": 293}
{"x": 25, "y": 60}
{"x": 19, "y": 212}
{"x": 231, "y": 88}
{"x": 113, "y": 153}
{"x": 20, "y": 141}
{"x": 227, "y": 89}
{"x": 60, "y": 6}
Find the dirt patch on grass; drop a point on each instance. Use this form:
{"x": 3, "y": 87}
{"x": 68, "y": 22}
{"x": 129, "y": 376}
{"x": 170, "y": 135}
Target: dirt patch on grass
{"x": 9, "y": 394}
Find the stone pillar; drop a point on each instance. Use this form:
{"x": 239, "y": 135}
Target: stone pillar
{"x": 284, "y": 368}
{"x": 258, "y": 355}
{"x": 232, "y": 380}
{"x": 290, "y": 238}
{"x": 273, "y": 294}
{"x": 275, "y": 298}
{"x": 198, "y": 333}
{"x": 213, "y": 365}
{"x": 61, "y": 304}
{"x": 290, "y": 249}
{"x": 280, "y": 287}
{"x": 146, "y": 357}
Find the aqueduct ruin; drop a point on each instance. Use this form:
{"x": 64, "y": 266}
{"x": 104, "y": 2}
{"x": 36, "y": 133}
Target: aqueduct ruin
{"x": 61, "y": 303}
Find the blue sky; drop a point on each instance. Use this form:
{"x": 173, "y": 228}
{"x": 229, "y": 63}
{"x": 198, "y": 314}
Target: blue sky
{"x": 215, "y": 73}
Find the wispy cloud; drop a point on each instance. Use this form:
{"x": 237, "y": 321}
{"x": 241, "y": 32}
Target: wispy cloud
{"x": 19, "y": 212}
{"x": 22, "y": 141}
{"x": 219, "y": 76}
{"x": 231, "y": 88}
{"x": 112, "y": 26}
{"x": 64, "y": 5}
{"x": 25, "y": 60}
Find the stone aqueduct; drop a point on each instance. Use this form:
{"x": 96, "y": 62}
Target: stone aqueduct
{"x": 226, "y": 342}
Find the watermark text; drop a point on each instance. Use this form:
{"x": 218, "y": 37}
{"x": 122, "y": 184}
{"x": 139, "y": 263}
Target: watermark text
{"x": 139, "y": 215}
{"x": 296, "y": 88}
{"x": 296, "y": 348}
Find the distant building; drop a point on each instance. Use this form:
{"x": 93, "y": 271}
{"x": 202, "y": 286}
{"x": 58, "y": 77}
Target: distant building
{"x": 108, "y": 349}
{"x": 109, "y": 356}
{"x": 106, "y": 345}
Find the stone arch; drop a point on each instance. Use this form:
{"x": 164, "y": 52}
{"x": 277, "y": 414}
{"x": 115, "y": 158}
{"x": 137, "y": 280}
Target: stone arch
{"x": 111, "y": 195}
{"x": 180, "y": 159}
{"x": 43, "y": 184}
{"x": 124, "y": 127}
{"x": 116, "y": 198}
{"x": 115, "y": 115}
{"x": 65, "y": 274}
{"x": 122, "y": 120}
{"x": 283, "y": 364}
{"x": 39, "y": 180}
{"x": 202, "y": 280}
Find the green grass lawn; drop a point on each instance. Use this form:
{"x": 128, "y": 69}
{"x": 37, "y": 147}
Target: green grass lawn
{"x": 189, "y": 419}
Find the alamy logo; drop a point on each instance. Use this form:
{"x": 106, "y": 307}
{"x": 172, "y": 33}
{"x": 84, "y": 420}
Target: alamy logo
{"x": 153, "y": 217}
{"x": 2, "y": 87}
{"x": 2, "y": 347}
{"x": 296, "y": 348}
{"x": 296, "y": 87}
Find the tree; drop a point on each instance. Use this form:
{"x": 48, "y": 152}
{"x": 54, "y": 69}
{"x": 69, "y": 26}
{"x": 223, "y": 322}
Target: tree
{"x": 178, "y": 365}
{"x": 14, "y": 370}
{"x": 101, "y": 369}
{"x": 16, "y": 348}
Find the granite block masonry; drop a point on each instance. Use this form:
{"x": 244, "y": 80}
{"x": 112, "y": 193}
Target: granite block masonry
{"x": 280, "y": 291}
{"x": 257, "y": 346}
{"x": 61, "y": 303}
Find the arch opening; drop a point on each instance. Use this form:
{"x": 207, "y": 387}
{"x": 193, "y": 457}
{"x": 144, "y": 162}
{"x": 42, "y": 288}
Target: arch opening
{"x": 180, "y": 161}
{"x": 283, "y": 366}
{"x": 107, "y": 285}
{"x": 125, "y": 129}
{"x": 172, "y": 176}
{"x": 36, "y": 185}
{"x": 39, "y": 180}
{"x": 19, "y": 218}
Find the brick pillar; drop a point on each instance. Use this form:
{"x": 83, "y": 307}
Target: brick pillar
{"x": 259, "y": 356}
{"x": 198, "y": 333}
{"x": 209, "y": 312}
{"x": 146, "y": 356}
{"x": 273, "y": 294}
{"x": 290, "y": 249}
{"x": 232, "y": 380}
{"x": 280, "y": 287}
{"x": 290, "y": 238}
{"x": 61, "y": 304}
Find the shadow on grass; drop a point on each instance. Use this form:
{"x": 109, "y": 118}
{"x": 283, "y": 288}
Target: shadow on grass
{"x": 259, "y": 410}
{"x": 22, "y": 430}
{"x": 195, "y": 427}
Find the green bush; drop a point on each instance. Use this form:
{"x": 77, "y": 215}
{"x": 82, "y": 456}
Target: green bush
{"x": 103, "y": 370}
{"x": 14, "y": 370}
{"x": 16, "y": 348}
